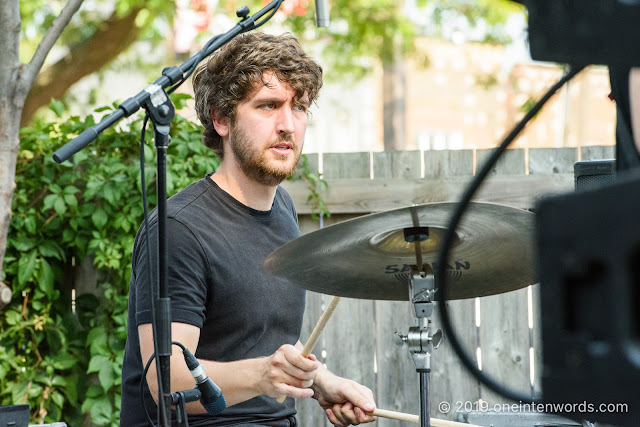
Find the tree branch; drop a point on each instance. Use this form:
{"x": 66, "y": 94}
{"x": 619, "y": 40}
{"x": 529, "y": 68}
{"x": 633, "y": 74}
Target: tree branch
{"x": 114, "y": 36}
{"x": 32, "y": 69}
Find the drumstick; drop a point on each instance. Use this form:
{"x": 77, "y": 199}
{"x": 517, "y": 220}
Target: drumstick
{"x": 313, "y": 339}
{"x": 435, "y": 422}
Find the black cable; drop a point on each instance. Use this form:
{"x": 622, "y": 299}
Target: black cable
{"x": 143, "y": 381}
{"x": 273, "y": 12}
{"x": 443, "y": 255}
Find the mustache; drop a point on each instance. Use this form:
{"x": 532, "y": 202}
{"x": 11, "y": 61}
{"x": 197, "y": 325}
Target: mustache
{"x": 284, "y": 138}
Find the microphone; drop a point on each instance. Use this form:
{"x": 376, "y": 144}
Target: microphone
{"x": 211, "y": 395}
{"x": 322, "y": 13}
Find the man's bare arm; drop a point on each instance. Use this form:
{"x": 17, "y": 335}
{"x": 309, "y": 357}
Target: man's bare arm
{"x": 284, "y": 372}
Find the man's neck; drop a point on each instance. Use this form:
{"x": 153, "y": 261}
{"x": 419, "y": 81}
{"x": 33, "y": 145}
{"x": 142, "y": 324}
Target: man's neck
{"x": 250, "y": 193}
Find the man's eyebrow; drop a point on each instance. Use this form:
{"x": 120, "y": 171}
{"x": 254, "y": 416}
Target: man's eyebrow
{"x": 260, "y": 100}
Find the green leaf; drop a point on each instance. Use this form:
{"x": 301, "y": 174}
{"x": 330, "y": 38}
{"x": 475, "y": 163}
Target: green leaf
{"x": 23, "y": 243}
{"x": 30, "y": 224}
{"x": 106, "y": 376}
{"x": 99, "y": 218}
{"x": 98, "y": 332}
{"x": 45, "y": 277}
{"x": 26, "y": 267}
{"x": 93, "y": 392}
{"x": 101, "y": 411}
{"x": 110, "y": 193}
{"x": 71, "y": 189}
{"x": 19, "y": 393}
{"x": 50, "y": 249}
{"x": 99, "y": 346}
{"x": 57, "y": 107}
{"x": 49, "y": 201}
{"x": 59, "y": 205}
{"x": 63, "y": 361}
{"x": 58, "y": 399}
{"x": 13, "y": 317}
{"x": 71, "y": 200}
{"x": 97, "y": 362}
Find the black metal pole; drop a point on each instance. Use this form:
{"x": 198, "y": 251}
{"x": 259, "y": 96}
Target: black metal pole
{"x": 163, "y": 305}
{"x": 424, "y": 399}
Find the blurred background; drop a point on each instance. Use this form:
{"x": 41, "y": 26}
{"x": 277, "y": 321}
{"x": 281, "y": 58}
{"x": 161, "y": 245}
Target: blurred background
{"x": 400, "y": 75}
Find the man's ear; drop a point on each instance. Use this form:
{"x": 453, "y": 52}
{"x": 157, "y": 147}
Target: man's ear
{"x": 220, "y": 124}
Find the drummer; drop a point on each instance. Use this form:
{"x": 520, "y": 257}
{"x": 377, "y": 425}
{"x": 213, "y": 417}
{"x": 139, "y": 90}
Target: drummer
{"x": 252, "y": 97}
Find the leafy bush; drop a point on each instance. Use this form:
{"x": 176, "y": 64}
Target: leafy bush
{"x": 65, "y": 360}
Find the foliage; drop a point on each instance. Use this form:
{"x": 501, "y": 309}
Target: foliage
{"x": 67, "y": 364}
{"x": 38, "y": 15}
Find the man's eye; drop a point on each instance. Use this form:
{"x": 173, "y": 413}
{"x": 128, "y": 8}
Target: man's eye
{"x": 269, "y": 106}
{"x": 300, "y": 108}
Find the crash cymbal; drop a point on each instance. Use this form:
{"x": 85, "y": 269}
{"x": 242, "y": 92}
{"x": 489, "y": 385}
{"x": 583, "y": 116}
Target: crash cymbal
{"x": 368, "y": 257}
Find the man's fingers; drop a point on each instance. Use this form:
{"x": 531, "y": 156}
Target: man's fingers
{"x": 336, "y": 416}
{"x": 295, "y": 392}
{"x": 295, "y": 358}
{"x": 360, "y": 396}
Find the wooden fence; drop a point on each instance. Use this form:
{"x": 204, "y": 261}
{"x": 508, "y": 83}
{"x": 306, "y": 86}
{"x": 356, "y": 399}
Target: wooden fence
{"x": 359, "y": 341}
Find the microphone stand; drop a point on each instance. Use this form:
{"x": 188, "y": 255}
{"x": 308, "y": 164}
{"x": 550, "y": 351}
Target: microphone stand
{"x": 161, "y": 111}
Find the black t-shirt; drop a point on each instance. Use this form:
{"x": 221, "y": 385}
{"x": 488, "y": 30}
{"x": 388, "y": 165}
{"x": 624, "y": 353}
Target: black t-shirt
{"x": 216, "y": 250}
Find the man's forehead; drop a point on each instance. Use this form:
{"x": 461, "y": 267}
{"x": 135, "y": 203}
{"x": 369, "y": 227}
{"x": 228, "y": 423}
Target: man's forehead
{"x": 270, "y": 84}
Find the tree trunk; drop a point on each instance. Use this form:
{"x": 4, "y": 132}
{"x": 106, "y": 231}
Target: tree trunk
{"x": 393, "y": 110}
{"x": 116, "y": 35}
{"x": 9, "y": 116}
{"x": 15, "y": 81}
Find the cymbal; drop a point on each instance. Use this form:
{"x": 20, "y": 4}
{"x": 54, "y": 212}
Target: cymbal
{"x": 368, "y": 257}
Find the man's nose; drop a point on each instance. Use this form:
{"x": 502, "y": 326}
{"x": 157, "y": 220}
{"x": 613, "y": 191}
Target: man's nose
{"x": 285, "y": 121}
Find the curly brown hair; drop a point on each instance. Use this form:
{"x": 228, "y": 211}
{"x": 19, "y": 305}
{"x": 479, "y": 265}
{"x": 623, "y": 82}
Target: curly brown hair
{"x": 235, "y": 71}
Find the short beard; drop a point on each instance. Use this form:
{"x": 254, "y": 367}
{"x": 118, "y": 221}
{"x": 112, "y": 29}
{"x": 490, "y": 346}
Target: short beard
{"x": 253, "y": 162}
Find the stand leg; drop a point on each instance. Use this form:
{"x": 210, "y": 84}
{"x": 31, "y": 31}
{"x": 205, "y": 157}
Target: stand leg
{"x": 424, "y": 399}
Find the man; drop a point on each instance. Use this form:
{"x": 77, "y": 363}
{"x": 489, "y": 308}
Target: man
{"x": 243, "y": 325}
{"x": 625, "y": 91}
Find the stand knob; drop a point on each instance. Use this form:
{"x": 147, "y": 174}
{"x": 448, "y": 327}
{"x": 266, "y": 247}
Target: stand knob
{"x": 243, "y": 12}
{"x": 400, "y": 339}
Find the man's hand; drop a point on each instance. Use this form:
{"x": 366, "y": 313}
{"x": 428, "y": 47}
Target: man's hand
{"x": 287, "y": 372}
{"x": 345, "y": 401}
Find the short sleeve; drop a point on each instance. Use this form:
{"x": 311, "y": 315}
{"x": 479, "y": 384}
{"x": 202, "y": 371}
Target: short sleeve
{"x": 187, "y": 275}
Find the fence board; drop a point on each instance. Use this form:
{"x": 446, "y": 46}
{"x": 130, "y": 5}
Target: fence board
{"x": 597, "y": 153}
{"x": 504, "y": 330}
{"x": 350, "y": 338}
{"x": 396, "y": 164}
{"x": 552, "y": 160}
{"x": 504, "y": 339}
{"x": 397, "y": 381}
{"x": 378, "y": 195}
{"x": 450, "y": 380}
{"x": 448, "y": 163}
{"x": 345, "y": 165}
{"x": 512, "y": 161}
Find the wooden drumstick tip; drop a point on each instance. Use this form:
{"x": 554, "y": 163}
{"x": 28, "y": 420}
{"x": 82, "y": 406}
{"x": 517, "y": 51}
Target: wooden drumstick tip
{"x": 400, "y": 416}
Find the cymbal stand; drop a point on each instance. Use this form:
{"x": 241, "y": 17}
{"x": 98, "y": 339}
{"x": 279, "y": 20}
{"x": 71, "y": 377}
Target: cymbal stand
{"x": 419, "y": 340}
